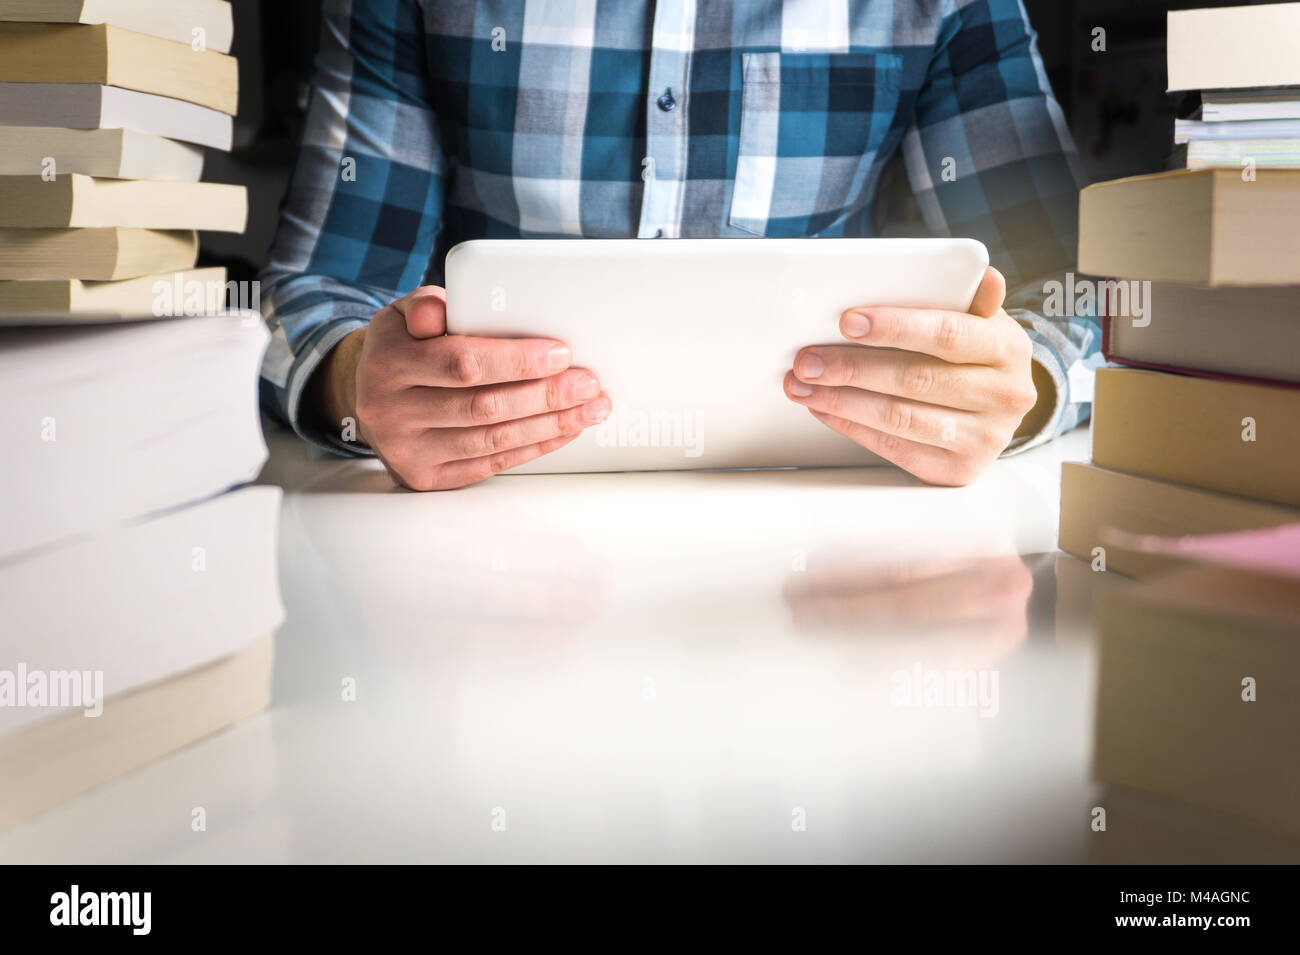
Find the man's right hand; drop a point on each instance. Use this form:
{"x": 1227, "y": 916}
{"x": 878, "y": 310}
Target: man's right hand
{"x": 442, "y": 411}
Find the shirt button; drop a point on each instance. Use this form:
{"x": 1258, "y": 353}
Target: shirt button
{"x": 666, "y": 102}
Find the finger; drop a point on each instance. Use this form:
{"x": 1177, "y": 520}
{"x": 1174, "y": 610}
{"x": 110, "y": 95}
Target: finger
{"x": 459, "y": 473}
{"x": 928, "y": 424}
{"x": 932, "y": 465}
{"x": 424, "y": 311}
{"x": 455, "y": 444}
{"x": 457, "y": 361}
{"x": 904, "y": 374}
{"x": 950, "y": 336}
{"x": 467, "y": 407}
{"x": 990, "y": 295}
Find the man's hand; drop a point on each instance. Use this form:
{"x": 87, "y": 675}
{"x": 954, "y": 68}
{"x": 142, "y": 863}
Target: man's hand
{"x": 443, "y": 411}
{"x": 940, "y": 394}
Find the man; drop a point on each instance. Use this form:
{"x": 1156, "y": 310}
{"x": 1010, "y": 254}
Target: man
{"x": 436, "y": 121}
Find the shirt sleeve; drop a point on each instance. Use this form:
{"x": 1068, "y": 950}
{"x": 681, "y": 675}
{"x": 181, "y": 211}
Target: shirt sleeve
{"x": 990, "y": 157}
{"x": 365, "y": 201}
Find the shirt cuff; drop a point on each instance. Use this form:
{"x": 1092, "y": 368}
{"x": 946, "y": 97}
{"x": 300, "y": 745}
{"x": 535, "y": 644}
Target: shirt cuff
{"x": 305, "y": 362}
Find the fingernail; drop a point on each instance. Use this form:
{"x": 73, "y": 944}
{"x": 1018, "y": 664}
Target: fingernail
{"x": 809, "y": 366}
{"x": 856, "y": 325}
{"x": 800, "y": 390}
{"x": 587, "y": 387}
{"x": 558, "y": 357}
{"x": 597, "y": 410}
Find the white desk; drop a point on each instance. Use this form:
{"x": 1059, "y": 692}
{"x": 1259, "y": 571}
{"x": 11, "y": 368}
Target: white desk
{"x": 638, "y": 667}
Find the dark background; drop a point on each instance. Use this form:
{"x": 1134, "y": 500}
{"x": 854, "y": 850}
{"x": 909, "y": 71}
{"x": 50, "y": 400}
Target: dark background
{"x": 1115, "y": 101}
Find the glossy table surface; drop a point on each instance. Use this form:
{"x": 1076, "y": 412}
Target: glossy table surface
{"x": 830, "y": 665}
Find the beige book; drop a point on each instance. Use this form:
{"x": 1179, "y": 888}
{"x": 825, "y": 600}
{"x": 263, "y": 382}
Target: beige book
{"x": 1208, "y": 226}
{"x": 1093, "y": 499}
{"x": 1252, "y": 331}
{"x": 1198, "y": 692}
{"x": 53, "y": 761}
{"x": 91, "y": 106}
{"x": 85, "y": 53}
{"x": 73, "y": 301}
{"x": 1227, "y": 436}
{"x": 170, "y": 19}
{"x": 1231, "y": 47}
{"x": 80, "y": 202}
{"x": 102, "y": 153}
{"x": 98, "y": 254}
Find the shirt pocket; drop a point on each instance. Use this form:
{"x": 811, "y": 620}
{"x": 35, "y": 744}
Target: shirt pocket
{"x": 810, "y": 127}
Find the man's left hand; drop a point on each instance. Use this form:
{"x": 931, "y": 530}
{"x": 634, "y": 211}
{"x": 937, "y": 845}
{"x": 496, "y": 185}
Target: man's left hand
{"x": 940, "y": 394}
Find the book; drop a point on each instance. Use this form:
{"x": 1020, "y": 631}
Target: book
{"x": 1245, "y": 331}
{"x": 111, "y": 56}
{"x": 94, "y": 254}
{"x": 1227, "y": 47}
{"x": 132, "y": 819}
{"x": 1235, "y": 437}
{"x": 174, "y": 20}
{"x": 75, "y": 201}
{"x": 92, "y": 106}
{"x": 105, "y": 424}
{"x": 75, "y": 301}
{"x": 1208, "y": 226}
{"x": 1198, "y": 692}
{"x": 1262, "y": 129}
{"x": 102, "y": 153}
{"x": 1262, "y": 153}
{"x": 1278, "y": 102}
{"x": 52, "y": 762}
{"x": 1094, "y": 499}
{"x": 168, "y": 593}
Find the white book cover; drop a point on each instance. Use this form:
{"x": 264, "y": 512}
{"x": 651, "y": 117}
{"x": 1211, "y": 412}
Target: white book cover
{"x": 106, "y": 424}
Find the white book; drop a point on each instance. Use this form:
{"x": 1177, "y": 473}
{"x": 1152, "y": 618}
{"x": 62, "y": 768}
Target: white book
{"x": 1188, "y": 129}
{"x": 170, "y": 19}
{"x": 106, "y": 424}
{"x": 92, "y": 106}
{"x": 1234, "y": 47}
{"x": 166, "y": 595}
{"x": 1227, "y": 106}
{"x": 102, "y": 153}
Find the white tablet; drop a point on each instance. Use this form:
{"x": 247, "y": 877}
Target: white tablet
{"x": 692, "y": 338}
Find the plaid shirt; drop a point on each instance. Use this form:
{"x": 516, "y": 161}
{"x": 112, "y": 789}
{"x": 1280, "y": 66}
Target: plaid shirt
{"x": 436, "y": 121}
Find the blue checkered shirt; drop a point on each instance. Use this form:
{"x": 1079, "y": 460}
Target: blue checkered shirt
{"x": 436, "y": 121}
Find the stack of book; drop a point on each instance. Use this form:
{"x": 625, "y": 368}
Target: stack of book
{"x": 139, "y": 592}
{"x": 105, "y": 106}
{"x": 1243, "y": 61}
{"x": 1200, "y": 433}
{"x": 1196, "y": 444}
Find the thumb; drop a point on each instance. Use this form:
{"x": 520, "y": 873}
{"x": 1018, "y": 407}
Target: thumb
{"x": 990, "y": 295}
{"x": 425, "y": 311}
